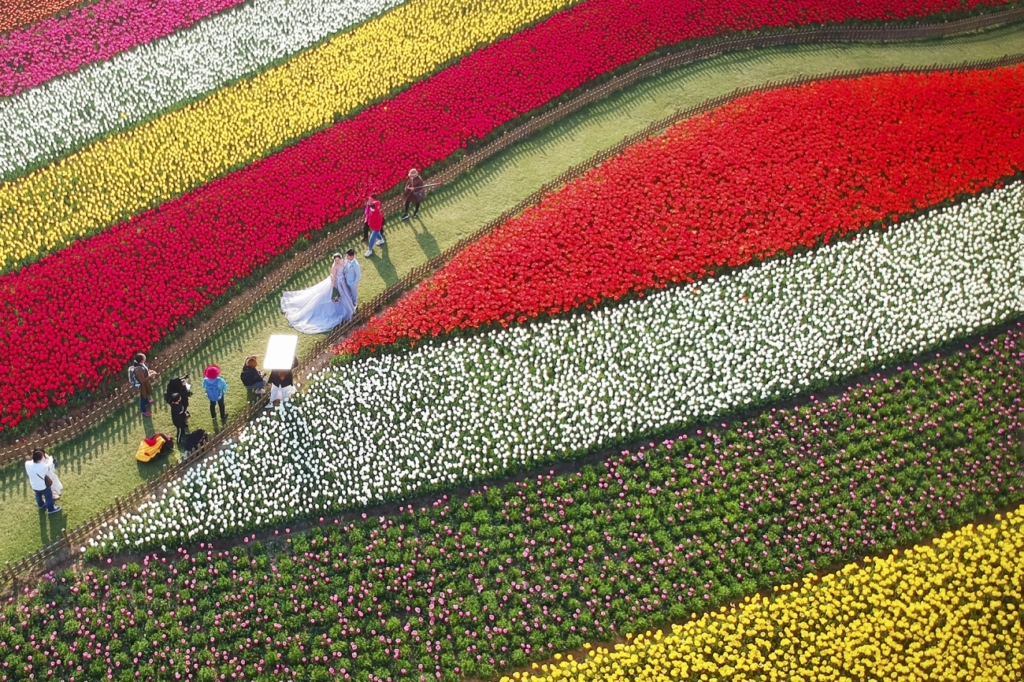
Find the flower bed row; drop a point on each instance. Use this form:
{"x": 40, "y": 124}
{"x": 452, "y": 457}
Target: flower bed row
{"x": 512, "y": 573}
{"x": 62, "y": 44}
{"x": 161, "y": 158}
{"x": 723, "y": 189}
{"x": 471, "y": 408}
{"x": 877, "y": 621}
{"x": 248, "y": 217}
{"x": 169, "y": 155}
{"x": 51, "y": 121}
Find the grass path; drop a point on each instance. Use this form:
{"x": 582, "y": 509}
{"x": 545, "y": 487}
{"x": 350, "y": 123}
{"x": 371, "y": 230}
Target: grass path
{"x": 100, "y": 465}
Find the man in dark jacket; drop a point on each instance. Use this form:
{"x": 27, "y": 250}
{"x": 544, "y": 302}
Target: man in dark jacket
{"x": 179, "y": 416}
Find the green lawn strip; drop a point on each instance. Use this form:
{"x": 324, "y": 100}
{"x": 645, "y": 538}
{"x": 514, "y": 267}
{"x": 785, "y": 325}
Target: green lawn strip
{"x": 473, "y": 583}
{"x": 99, "y": 466}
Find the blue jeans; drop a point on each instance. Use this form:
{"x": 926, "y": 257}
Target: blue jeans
{"x": 44, "y": 498}
{"x": 375, "y": 236}
{"x": 143, "y": 405}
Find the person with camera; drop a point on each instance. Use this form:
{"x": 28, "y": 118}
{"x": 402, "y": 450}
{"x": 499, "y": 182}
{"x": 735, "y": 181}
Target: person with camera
{"x": 253, "y": 379}
{"x": 141, "y": 377}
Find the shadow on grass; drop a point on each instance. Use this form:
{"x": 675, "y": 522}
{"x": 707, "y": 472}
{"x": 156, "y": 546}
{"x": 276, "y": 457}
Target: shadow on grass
{"x": 51, "y": 526}
{"x": 428, "y": 245}
{"x": 384, "y": 267}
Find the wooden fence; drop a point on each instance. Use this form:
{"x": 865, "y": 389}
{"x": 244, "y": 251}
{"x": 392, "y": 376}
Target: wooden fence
{"x": 65, "y": 548}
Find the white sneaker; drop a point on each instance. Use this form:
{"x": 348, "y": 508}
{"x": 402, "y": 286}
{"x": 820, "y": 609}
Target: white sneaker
{"x": 368, "y": 253}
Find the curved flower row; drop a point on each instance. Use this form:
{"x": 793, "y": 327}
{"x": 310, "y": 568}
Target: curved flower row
{"x": 161, "y": 158}
{"x": 874, "y": 621}
{"x": 723, "y": 189}
{"x": 475, "y": 407}
{"x": 54, "y": 120}
{"x": 617, "y": 547}
{"x": 57, "y": 45}
{"x": 48, "y": 122}
{"x": 172, "y": 154}
{"x": 58, "y": 341}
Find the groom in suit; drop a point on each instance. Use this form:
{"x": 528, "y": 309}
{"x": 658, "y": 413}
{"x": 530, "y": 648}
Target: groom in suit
{"x": 352, "y": 274}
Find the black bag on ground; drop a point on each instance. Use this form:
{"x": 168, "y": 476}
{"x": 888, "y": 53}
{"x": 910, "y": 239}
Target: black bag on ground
{"x": 194, "y": 440}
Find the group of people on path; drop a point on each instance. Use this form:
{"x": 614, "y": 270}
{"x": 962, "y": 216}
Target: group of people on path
{"x": 373, "y": 216}
{"x": 333, "y": 300}
{"x": 42, "y": 468}
{"x": 281, "y": 384}
{"x": 315, "y": 310}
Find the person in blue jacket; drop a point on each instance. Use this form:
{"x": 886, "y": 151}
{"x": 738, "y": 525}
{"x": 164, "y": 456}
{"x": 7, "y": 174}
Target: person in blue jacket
{"x": 216, "y": 388}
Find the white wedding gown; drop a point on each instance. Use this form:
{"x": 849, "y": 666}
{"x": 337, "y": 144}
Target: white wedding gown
{"x": 56, "y": 487}
{"x": 311, "y": 311}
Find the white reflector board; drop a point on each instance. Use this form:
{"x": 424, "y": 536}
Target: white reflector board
{"x": 280, "y": 351}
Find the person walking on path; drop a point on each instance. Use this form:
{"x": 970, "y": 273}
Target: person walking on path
{"x": 375, "y": 219}
{"x": 141, "y": 377}
{"x": 216, "y": 388}
{"x": 179, "y": 417}
{"x": 351, "y": 274}
{"x": 41, "y": 482}
{"x": 413, "y": 193}
{"x": 366, "y": 220}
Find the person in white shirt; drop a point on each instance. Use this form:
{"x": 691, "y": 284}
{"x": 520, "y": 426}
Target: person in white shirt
{"x": 38, "y": 472}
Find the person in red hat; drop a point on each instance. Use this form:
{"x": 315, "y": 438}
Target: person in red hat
{"x": 216, "y": 388}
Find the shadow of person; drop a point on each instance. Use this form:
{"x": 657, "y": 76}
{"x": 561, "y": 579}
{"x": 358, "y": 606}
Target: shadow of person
{"x": 51, "y": 526}
{"x": 385, "y": 268}
{"x": 147, "y": 424}
{"x": 152, "y": 469}
{"x": 425, "y": 239}
{"x": 14, "y": 483}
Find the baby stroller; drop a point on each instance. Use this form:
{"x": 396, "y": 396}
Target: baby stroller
{"x": 180, "y": 386}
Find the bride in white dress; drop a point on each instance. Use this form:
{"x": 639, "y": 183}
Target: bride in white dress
{"x": 56, "y": 487}
{"x": 327, "y": 303}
